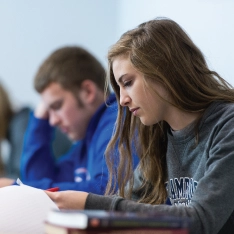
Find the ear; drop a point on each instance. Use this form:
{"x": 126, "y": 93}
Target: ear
{"x": 88, "y": 91}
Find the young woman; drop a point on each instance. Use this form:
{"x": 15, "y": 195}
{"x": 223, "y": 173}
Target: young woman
{"x": 181, "y": 114}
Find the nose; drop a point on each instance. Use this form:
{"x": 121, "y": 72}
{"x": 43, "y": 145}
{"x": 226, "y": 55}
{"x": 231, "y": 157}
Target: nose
{"x": 124, "y": 98}
{"x": 53, "y": 118}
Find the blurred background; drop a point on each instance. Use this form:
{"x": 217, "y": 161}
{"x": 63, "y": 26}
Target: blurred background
{"x": 31, "y": 30}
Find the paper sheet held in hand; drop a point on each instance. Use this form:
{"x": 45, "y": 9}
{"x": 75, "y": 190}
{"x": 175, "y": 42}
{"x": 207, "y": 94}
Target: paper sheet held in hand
{"x": 23, "y": 209}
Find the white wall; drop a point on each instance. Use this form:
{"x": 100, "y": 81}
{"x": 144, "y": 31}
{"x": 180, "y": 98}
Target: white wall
{"x": 31, "y": 30}
{"x": 210, "y": 24}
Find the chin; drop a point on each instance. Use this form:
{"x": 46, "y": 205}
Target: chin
{"x": 72, "y": 137}
{"x": 75, "y": 138}
{"x": 147, "y": 123}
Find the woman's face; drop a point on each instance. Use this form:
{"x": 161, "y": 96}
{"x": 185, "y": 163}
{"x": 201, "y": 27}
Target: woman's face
{"x": 141, "y": 101}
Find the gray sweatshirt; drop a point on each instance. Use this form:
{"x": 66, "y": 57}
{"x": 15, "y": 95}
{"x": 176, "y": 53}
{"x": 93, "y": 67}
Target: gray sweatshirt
{"x": 200, "y": 178}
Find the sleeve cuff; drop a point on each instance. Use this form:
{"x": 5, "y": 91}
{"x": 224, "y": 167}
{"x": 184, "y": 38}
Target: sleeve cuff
{"x": 99, "y": 202}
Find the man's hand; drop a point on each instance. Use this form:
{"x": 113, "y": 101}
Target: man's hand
{"x": 6, "y": 182}
{"x": 68, "y": 199}
{"x": 41, "y": 111}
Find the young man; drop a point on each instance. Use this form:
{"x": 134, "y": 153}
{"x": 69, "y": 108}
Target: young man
{"x": 71, "y": 83}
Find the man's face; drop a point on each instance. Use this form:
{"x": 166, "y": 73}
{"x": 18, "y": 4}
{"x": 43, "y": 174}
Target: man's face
{"x": 65, "y": 112}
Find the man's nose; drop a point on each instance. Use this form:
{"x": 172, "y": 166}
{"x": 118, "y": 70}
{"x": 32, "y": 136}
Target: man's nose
{"x": 54, "y": 119}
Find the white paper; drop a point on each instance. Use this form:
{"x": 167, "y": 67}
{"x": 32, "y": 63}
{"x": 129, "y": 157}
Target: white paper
{"x": 23, "y": 210}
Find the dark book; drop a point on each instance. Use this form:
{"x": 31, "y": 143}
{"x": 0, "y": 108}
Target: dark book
{"x": 56, "y": 229}
{"x": 98, "y": 220}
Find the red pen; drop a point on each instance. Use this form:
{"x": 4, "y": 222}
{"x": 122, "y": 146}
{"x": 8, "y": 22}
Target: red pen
{"x": 55, "y": 189}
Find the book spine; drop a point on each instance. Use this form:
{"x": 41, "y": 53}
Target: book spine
{"x": 53, "y": 229}
{"x": 120, "y": 223}
{"x": 148, "y": 231}
{"x": 132, "y": 231}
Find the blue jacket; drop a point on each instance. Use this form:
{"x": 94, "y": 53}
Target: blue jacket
{"x": 82, "y": 168}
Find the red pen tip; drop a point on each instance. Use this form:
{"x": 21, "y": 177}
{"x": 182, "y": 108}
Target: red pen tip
{"x": 55, "y": 189}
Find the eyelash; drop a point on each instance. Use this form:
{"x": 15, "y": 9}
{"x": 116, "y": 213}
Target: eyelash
{"x": 57, "y": 106}
{"x": 127, "y": 84}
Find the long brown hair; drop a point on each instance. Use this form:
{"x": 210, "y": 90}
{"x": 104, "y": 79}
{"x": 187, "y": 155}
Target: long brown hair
{"x": 161, "y": 50}
{"x": 6, "y": 112}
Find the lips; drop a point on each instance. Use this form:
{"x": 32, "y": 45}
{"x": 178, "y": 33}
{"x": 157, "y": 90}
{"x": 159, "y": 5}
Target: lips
{"x": 64, "y": 130}
{"x": 134, "y": 111}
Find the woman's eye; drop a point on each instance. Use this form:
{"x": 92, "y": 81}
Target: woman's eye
{"x": 127, "y": 83}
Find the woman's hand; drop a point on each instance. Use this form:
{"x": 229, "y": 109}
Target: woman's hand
{"x": 68, "y": 199}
